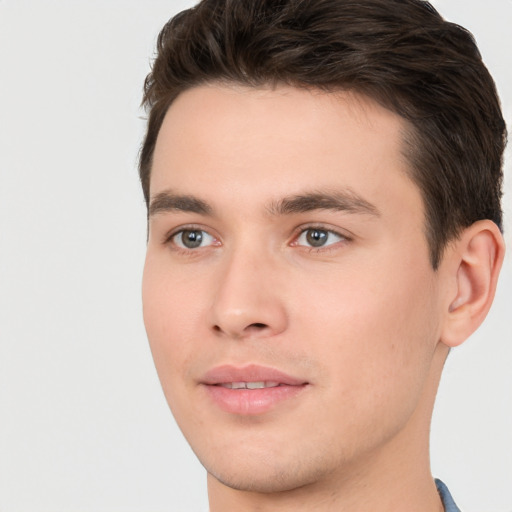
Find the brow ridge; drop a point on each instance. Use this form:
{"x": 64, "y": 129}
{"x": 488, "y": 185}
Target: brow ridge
{"x": 168, "y": 201}
{"x": 343, "y": 201}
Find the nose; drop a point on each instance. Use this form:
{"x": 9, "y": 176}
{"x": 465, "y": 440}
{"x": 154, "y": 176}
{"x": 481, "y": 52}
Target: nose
{"x": 249, "y": 301}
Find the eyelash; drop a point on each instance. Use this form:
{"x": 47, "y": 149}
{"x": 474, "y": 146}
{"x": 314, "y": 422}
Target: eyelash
{"x": 302, "y": 231}
{"x": 170, "y": 239}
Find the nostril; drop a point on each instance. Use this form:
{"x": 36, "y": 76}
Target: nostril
{"x": 254, "y": 327}
{"x": 258, "y": 326}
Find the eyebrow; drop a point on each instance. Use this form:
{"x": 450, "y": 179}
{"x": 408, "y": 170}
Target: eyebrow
{"x": 339, "y": 201}
{"x": 169, "y": 202}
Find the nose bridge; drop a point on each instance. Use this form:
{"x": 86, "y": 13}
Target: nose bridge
{"x": 248, "y": 300}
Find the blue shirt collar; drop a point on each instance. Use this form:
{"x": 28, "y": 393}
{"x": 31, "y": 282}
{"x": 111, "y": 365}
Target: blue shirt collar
{"x": 446, "y": 497}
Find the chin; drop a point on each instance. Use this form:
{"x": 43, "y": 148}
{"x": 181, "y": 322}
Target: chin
{"x": 265, "y": 472}
{"x": 264, "y": 482}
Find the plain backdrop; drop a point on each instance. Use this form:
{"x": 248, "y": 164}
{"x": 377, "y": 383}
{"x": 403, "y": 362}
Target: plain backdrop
{"x": 83, "y": 422}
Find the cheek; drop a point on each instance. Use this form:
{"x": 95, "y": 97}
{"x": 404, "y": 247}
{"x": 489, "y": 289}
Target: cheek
{"x": 374, "y": 336}
{"x": 171, "y": 316}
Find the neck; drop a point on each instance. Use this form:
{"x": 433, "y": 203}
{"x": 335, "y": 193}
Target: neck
{"x": 395, "y": 477}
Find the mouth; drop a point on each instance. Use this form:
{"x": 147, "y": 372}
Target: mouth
{"x": 250, "y": 385}
{"x": 251, "y": 390}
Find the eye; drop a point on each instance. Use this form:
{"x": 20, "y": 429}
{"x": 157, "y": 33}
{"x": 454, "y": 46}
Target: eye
{"x": 317, "y": 237}
{"x": 192, "y": 239}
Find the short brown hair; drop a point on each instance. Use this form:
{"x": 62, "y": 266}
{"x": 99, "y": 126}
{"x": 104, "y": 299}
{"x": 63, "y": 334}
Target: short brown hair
{"x": 401, "y": 53}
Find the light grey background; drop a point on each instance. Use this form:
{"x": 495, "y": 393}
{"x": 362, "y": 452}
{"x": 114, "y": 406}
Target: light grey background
{"x": 83, "y": 423}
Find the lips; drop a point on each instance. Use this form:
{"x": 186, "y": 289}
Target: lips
{"x": 250, "y": 373}
{"x": 251, "y": 389}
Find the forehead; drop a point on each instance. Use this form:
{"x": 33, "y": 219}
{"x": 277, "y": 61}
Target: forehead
{"x": 214, "y": 112}
{"x": 260, "y": 144}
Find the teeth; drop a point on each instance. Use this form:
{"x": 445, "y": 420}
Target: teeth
{"x": 250, "y": 385}
{"x": 255, "y": 385}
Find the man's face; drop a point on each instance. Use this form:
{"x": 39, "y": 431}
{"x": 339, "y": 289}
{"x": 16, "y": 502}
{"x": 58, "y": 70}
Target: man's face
{"x": 287, "y": 249}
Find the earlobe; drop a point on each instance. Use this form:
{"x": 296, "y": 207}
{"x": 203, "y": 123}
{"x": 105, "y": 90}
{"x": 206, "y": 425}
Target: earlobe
{"x": 478, "y": 257}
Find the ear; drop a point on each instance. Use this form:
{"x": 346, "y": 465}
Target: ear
{"x": 475, "y": 262}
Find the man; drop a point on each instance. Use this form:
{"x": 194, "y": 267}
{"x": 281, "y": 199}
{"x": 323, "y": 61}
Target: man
{"x": 323, "y": 180}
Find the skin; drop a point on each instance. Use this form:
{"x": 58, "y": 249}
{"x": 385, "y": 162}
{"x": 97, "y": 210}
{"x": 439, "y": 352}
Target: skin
{"x": 364, "y": 319}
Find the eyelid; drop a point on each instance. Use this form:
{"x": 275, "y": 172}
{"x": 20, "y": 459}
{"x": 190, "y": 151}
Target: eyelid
{"x": 343, "y": 234}
{"x": 206, "y": 240}
{"x": 169, "y": 235}
{"x": 345, "y": 237}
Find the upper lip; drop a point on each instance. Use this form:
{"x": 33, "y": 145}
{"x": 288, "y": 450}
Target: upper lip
{"x": 250, "y": 373}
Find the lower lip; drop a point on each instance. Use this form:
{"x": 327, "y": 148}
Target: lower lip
{"x": 251, "y": 401}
